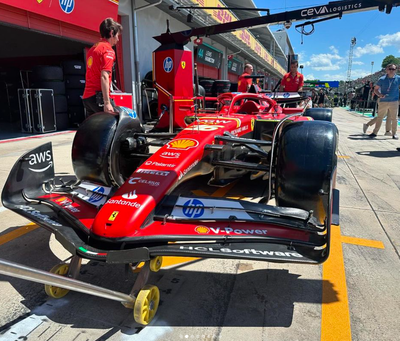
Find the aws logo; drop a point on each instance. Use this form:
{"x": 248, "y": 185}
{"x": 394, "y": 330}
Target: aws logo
{"x": 43, "y": 159}
{"x": 67, "y": 5}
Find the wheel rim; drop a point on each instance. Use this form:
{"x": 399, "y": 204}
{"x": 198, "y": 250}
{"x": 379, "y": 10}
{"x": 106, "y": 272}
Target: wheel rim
{"x": 156, "y": 263}
{"x": 146, "y": 304}
{"x": 53, "y": 291}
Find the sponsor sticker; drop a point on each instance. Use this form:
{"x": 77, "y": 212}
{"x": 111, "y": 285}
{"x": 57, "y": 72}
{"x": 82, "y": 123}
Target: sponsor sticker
{"x": 168, "y": 64}
{"x": 113, "y": 216}
{"x": 159, "y": 164}
{"x": 202, "y": 229}
{"x": 134, "y": 181}
{"x": 67, "y": 5}
{"x": 68, "y": 204}
{"x": 42, "y": 160}
{"x": 229, "y": 230}
{"x": 187, "y": 170}
{"x": 152, "y": 172}
{"x": 203, "y": 127}
{"x": 132, "y": 113}
{"x": 170, "y": 155}
{"x": 241, "y": 251}
{"x": 193, "y": 208}
{"x": 97, "y": 195}
{"x": 182, "y": 144}
{"x": 133, "y": 204}
{"x": 130, "y": 195}
{"x": 31, "y": 211}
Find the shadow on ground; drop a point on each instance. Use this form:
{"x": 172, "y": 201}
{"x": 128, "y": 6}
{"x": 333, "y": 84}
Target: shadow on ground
{"x": 381, "y": 154}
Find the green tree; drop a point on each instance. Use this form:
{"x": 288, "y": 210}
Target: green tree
{"x": 390, "y": 59}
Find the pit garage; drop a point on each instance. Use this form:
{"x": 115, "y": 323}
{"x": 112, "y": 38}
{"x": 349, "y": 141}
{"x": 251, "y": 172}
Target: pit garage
{"x": 42, "y": 72}
{"x": 38, "y": 60}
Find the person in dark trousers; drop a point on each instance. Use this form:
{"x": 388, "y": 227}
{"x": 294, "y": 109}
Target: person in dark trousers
{"x": 321, "y": 98}
{"x": 99, "y": 63}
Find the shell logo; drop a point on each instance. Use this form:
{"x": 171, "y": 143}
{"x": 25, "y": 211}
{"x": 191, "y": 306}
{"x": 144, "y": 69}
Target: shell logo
{"x": 202, "y": 229}
{"x": 182, "y": 144}
{"x": 90, "y": 62}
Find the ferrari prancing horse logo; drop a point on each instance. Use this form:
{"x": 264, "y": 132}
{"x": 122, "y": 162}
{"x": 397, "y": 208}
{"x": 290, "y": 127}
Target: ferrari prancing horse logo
{"x": 113, "y": 216}
{"x": 183, "y": 64}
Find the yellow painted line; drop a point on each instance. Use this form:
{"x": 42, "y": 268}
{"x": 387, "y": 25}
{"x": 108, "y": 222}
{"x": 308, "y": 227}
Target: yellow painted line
{"x": 200, "y": 193}
{"x": 363, "y": 242}
{"x": 343, "y": 157}
{"x": 335, "y": 321}
{"x": 17, "y": 233}
{"x": 220, "y": 192}
{"x": 237, "y": 198}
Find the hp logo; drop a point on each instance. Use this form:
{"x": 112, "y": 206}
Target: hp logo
{"x": 67, "y": 5}
{"x": 97, "y": 194}
{"x": 193, "y": 208}
{"x": 168, "y": 64}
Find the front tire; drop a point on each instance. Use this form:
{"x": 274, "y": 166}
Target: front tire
{"x": 306, "y": 165}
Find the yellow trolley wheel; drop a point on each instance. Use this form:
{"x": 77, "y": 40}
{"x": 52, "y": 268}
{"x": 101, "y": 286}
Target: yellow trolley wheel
{"x": 56, "y": 292}
{"x": 156, "y": 263}
{"x": 146, "y": 304}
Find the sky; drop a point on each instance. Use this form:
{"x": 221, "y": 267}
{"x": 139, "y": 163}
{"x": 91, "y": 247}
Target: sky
{"x": 325, "y": 53}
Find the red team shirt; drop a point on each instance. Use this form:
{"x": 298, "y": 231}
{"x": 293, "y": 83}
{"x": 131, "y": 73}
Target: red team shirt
{"x": 101, "y": 56}
{"x": 244, "y": 82}
{"x": 292, "y": 84}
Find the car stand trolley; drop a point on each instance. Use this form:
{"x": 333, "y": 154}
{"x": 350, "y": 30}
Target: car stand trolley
{"x": 143, "y": 298}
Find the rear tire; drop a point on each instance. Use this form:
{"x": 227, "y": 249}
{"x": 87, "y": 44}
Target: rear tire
{"x": 320, "y": 114}
{"x": 305, "y": 166}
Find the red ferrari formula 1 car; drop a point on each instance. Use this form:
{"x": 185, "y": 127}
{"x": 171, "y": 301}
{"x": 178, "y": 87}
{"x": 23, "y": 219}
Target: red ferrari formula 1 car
{"x": 123, "y": 205}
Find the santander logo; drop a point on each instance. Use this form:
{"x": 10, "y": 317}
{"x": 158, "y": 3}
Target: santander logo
{"x": 130, "y": 195}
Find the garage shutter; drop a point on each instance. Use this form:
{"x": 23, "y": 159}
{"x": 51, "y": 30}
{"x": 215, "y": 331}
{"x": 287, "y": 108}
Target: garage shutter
{"x": 36, "y": 22}
{"x": 207, "y": 71}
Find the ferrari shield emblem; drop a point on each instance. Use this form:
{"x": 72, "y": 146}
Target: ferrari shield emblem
{"x": 183, "y": 64}
{"x": 113, "y": 216}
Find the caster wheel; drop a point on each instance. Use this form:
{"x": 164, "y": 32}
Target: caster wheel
{"x": 155, "y": 263}
{"x": 56, "y": 292}
{"x": 146, "y": 304}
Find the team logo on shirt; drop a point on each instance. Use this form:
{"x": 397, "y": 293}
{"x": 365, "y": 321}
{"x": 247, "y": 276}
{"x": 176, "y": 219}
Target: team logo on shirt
{"x": 183, "y": 64}
{"x": 90, "y": 62}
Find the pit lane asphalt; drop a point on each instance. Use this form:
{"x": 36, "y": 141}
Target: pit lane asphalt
{"x": 355, "y": 295}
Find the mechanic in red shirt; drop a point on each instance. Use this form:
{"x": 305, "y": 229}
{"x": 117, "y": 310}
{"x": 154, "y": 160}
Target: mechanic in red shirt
{"x": 292, "y": 81}
{"x": 99, "y": 62}
{"x": 244, "y": 83}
